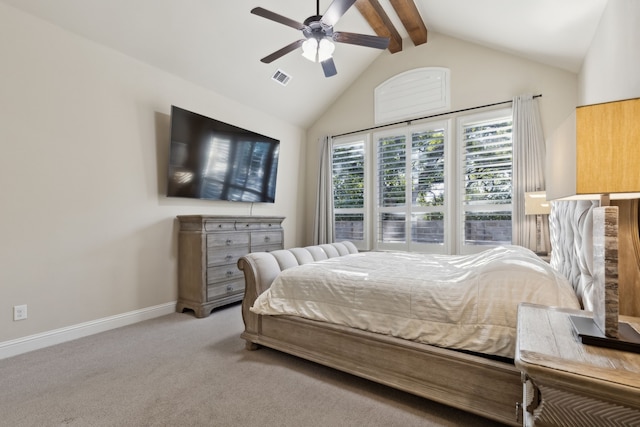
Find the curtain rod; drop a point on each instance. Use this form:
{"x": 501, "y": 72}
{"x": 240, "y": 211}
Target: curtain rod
{"x": 428, "y": 117}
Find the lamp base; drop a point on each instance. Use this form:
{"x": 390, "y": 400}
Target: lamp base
{"x": 590, "y": 334}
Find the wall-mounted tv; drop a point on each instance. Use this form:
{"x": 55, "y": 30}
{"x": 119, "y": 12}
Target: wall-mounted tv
{"x": 213, "y": 160}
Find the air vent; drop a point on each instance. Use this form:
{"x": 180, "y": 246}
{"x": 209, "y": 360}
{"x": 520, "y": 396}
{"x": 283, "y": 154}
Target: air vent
{"x": 281, "y": 77}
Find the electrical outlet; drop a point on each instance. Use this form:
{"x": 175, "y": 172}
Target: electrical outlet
{"x": 19, "y": 312}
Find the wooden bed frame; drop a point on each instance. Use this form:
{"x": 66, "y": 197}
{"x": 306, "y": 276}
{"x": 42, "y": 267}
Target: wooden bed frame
{"x": 483, "y": 386}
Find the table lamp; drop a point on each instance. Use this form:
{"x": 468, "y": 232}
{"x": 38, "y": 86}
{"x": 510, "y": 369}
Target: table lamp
{"x": 535, "y": 203}
{"x": 595, "y": 154}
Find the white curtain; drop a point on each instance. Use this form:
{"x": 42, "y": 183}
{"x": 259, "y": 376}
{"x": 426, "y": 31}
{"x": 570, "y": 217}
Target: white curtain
{"x": 323, "y": 231}
{"x": 528, "y": 171}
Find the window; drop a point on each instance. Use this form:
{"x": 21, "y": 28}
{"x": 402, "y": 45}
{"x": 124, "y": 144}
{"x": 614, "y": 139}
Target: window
{"x": 410, "y": 204}
{"x": 486, "y": 170}
{"x": 349, "y": 196}
{"x": 430, "y": 194}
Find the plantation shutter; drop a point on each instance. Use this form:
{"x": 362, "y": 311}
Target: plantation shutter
{"x": 392, "y": 188}
{"x": 428, "y": 186}
{"x": 487, "y": 159}
{"x": 349, "y": 191}
{"x": 411, "y": 188}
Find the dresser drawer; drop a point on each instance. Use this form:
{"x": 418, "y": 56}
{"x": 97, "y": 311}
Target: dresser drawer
{"x": 227, "y": 288}
{"x": 218, "y": 240}
{"x": 219, "y": 226}
{"x": 263, "y": 238}
{"x": 269, "y": 226}
{"x": 247, "y": 226}
{"x": 223, "y": 272}
{"x": 226, "y": 255}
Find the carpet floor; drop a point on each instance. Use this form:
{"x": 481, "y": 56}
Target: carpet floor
{"x": 179, "y": 370}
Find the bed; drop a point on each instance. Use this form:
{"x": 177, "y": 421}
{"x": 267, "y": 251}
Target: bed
{"x": 480, "y": 380}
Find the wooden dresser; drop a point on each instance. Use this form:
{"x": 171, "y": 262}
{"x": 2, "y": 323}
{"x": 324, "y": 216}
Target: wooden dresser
{"x": 567, "y": 383}
{"x": 208, "y": 251}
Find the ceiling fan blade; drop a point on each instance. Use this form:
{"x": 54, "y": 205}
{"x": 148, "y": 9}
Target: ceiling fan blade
{"x": 335, "y": 11}
{"x": 329, "y": 67}
{"x": 278, "y": 18}
{"x": 361, "y": 40}
{"x": 281, "y": 52}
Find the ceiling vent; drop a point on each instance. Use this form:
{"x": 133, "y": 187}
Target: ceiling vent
{"x": 281, "y": 77}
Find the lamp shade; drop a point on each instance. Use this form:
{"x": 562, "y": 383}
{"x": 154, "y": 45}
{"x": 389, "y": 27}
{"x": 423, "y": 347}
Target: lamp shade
{"x": 310, "y": 49}
{"x": 535, "y": 203}
{"x": 325, "y": 50}
{"x": 317, "y": 51}
{"x": 596, "y": 151}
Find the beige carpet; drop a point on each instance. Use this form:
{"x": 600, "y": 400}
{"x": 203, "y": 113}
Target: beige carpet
{"x": 179, "y": 370}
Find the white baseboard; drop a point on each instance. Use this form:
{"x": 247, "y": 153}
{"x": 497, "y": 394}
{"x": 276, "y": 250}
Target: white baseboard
{"x": 58, "y": 336}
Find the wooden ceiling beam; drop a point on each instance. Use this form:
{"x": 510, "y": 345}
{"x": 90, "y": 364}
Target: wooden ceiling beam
{"x": 380, "y": 23}
{"x": 410, "y": 17}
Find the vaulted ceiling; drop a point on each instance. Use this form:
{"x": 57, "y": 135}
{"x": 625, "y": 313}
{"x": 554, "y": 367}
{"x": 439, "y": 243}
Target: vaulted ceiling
{"x": 218, "y": 45}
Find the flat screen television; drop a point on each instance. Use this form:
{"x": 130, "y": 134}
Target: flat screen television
{"x": 213, "y": 160}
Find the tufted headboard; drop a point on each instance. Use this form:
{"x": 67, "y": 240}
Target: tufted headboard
{"x": 571, "y": 232}
{"x": 571, "y": 225}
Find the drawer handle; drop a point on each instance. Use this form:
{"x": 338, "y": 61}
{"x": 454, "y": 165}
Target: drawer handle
{"x": 229, "y": 241}
{"x": 229, "y": 257}
{"x": 229, "y": 273}
{"x": 229, "y": 288}
{"x": 266, "y": 238}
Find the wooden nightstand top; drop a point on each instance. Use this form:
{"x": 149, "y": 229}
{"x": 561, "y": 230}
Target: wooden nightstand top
{"x": 549, "y": 351}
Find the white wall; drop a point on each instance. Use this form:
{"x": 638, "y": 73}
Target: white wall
{"x": 611, "y": 70}
{"x": 85, "y": 230}
{"x": 479, "y": 76}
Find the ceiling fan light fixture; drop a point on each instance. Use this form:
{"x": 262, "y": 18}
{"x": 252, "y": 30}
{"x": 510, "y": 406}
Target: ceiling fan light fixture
{"x": 316, "y": 51}
{"x": 310, "y": 49}
{"x": 325, "y": 50}
{"x": 317, "y": 44}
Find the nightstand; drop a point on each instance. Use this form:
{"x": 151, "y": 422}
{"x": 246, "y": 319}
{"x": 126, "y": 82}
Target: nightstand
{"x": 544, "y": 257}
{"x": 567, "y": 383}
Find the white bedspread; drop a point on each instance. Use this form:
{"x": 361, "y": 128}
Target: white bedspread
{"x": 464, "y": 301}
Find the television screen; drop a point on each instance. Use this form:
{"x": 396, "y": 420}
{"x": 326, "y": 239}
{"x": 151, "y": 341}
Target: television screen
{"x": 213, "y": 160}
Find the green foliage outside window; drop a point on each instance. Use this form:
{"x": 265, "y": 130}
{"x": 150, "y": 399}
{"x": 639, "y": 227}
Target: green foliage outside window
{"x": 348, "y": 177}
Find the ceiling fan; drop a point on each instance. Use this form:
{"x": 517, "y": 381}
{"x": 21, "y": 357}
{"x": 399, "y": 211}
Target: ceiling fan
{"x": 317, "y": 45}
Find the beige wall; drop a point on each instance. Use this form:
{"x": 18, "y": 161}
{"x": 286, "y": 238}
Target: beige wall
{"x": 611, "y": 70}
{"x": 86, "y": 231}
{"x": 479, "y": 76}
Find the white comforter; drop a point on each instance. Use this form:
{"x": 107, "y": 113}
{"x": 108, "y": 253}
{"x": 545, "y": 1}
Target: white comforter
{"x": 464, "y": 301}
